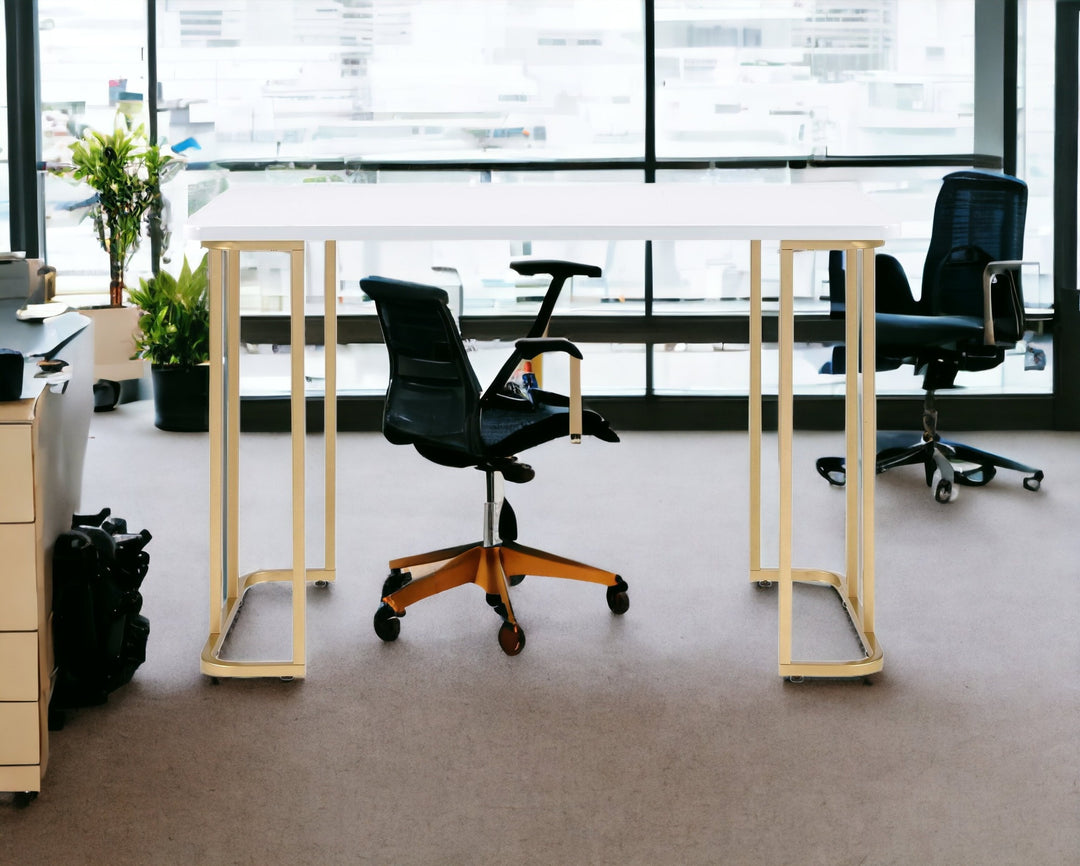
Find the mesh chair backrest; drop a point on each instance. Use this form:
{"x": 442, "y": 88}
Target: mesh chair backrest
{"x": 978, "y": 218}
{"x": 433, "y": 396}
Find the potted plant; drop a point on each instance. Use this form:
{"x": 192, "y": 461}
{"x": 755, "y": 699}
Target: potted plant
{"x": 126, "y": 172}
{"x": 174, "y": 336}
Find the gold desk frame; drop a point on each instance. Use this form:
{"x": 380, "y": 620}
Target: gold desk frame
{"x": 227, "y": 586}
{"x": 856, "y": 589}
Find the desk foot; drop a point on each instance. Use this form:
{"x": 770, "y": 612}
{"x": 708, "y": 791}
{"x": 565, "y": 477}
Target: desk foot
{"x": 215, "y": 667}
{"x": 796, "y": 671}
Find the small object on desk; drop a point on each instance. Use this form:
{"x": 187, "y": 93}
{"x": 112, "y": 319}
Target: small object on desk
{"x": 41, "y": 312}
{"x": 11, "y": 374}
{"x": 52, "y": 365}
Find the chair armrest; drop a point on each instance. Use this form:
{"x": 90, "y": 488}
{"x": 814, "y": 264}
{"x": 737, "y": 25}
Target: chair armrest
{"x": 990, "y": 273}
{"x": 555, "y": 268}
{"x": 528, "y": 348}
{"x": 560, "y": 272}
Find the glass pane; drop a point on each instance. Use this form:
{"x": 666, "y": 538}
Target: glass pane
{"x": 723, "y": 369}
{"x": 386, "y": 79}
{"x": 1035, "y": 146}
{"x": 92, "y": 65}
{"x": 741, "y": 77}
{"x": 701, "y": 276}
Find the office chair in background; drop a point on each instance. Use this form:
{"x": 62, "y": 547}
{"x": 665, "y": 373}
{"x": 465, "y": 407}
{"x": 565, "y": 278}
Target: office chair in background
{"x": 971, "y": 310}
{"x": 434, "y": 403}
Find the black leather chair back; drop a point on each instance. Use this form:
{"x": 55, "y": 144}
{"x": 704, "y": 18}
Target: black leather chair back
{"x": 433, "y": 397}
{"x": 978, "y": 218}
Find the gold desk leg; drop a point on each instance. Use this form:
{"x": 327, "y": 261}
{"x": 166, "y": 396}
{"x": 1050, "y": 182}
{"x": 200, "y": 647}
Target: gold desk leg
{"x": 330, "y": 340}
{"x": 856, "y": 590}
{"x": 755, "y": 414}
{"x": 784, "y": 436}
{"x": 227, "y": 586}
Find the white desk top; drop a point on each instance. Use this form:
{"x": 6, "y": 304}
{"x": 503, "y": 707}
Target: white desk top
{"x": 597, "y": 211}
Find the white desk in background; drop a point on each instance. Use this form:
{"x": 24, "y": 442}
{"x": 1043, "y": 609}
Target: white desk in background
{"x": 289, "y": 218}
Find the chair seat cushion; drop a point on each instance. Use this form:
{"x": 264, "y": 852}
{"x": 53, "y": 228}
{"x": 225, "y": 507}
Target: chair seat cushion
{"x": 900, "y": 330}
{"x": 506, "y": 431}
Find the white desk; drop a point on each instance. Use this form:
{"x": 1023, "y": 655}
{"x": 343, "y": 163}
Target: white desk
{"x": 287, "y": 218}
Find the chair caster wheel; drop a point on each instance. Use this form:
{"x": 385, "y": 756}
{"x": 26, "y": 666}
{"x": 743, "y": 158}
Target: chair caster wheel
{"x": 23, "y": 799}
{"x": 511, "y": 638}
{"x": 832, "y": 470}
{"x": 387, "y": 625}
{"x": 617, "y": 599}
{"x": 945, "y": 490}
{"x": 1033, "y": 482}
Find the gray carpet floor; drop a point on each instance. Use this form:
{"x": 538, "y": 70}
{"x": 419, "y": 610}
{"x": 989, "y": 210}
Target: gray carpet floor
{"x": 665, "y": 736}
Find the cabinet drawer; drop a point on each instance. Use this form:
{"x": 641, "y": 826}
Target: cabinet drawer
{"x": 16, "y": 474}
{"x": 18, "y": 578}
{"x": 20, "y": 733}
{"x": 19, "y": 666}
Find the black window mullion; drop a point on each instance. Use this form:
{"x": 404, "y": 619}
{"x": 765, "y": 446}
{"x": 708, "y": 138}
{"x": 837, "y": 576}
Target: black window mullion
{"x": 27, "y": 228}
{"x": 1066, "y": 291}
{"x": 650, "y": 168}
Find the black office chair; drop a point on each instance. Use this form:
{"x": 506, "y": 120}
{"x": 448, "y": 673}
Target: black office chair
{"x": 434, "y": 403}
{"x": 971, "y": 310}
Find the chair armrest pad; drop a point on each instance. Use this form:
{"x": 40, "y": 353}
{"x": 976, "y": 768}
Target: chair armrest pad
{"x": 528, "y": 348}
{"x": 554, "y": 267}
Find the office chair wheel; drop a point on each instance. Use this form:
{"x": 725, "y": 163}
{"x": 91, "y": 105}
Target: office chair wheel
{"x": 617, "y": 599}
{"x": 23, "y": 799}
{"x": 1034, "y": 482}
{"x": 511, "y": 638}
{"x": 387, "y": 625}
{"x": 945, "y": 491}
{"x": 832, "y": 470}
{"x": 980, "y": 476}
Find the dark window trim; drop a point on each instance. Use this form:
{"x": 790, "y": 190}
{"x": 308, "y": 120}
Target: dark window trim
{"x": 27, "y": 224}
{"x": 661, "y": 412}
{"x": 1066, "y": 294}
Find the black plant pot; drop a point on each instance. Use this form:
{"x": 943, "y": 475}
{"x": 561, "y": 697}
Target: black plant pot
{"x": 181, "y": 398}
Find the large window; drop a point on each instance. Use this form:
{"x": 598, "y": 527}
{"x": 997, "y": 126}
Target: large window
{"x": 880, "y": 93}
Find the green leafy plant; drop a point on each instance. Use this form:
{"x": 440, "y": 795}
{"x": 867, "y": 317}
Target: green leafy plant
{"x": 174, "y": 325}
{"x": 127, "y": 172}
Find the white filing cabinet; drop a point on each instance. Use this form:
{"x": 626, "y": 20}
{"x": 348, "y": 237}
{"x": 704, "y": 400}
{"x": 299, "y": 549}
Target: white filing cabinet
{"x": 42, "y": 448}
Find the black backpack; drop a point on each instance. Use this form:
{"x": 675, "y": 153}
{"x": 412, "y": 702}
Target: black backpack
{"x": 98, "y": 633}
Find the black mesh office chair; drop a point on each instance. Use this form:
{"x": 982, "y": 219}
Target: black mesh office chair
{"x": 434, "y": 403}
{"x": 971, "y": 310}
